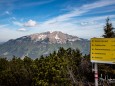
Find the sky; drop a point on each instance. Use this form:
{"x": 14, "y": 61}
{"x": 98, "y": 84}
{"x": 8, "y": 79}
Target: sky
{"x": 82, "y": 18}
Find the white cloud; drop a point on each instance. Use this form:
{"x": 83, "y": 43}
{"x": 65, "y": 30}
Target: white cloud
{"x": 94, "y": 20}
{"x": 98, "y": 4}
{"x": 13, "y": 18}
{"x": 7, "y": 12}
{"x": 81, "y": 10}
{"x": 84, "y": 23}
{"x": 84, "y": 27}
{"x": 22, "y": 29}
{"x": 30, "y": 23}
{"x": 99, "y": 18}
{"x": 17, "y": 23}
{"x": 8, "y": 33}
{"x": 3, "y": 25}
{"x": 37, "y": 3}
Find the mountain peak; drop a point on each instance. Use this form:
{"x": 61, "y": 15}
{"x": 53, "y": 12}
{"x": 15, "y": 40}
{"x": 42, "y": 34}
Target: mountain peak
{"x": 53, "y": 37}
{"x": 39, "y": 44}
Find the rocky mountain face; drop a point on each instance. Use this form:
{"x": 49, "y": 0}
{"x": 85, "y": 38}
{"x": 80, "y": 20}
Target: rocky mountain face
{"x": 52, "y": 37}
{"x": 39, "y": 44}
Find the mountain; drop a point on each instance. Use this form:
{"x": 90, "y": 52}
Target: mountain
{"x": 1, "y": 42}
{"x": 39, "y": 44}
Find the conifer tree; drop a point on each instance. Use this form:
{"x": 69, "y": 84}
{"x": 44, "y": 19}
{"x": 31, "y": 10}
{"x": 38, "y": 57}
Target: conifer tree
{"x": 109, "y": 32}
{"x": 108, "y": 29}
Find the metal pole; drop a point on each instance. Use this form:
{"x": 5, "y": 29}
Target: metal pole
{"x": 96, "y": 74}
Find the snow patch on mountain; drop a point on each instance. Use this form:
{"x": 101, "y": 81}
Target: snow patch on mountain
{"x": 24, "y": 37}
{"x": 74, "y": 39}
{"x": 53, "y": 37}
{"x": 42, "y": 37}
{"x": 56, "y": 37}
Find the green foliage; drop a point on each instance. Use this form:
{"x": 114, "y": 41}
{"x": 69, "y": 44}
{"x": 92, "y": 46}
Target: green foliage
{"x": 108, "y": 30}
{"x": 108, "y": 69}
{"x": 63, "y": 68}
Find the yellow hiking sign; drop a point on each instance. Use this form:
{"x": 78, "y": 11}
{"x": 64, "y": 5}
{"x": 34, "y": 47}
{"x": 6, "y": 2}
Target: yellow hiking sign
{"x": 103, "y": 50}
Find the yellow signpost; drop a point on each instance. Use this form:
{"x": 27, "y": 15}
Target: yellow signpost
{"x": 103, "y": 50}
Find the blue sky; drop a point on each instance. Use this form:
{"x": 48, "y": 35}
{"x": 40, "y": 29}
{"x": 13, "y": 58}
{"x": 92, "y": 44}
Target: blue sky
{"x": 83, "y": 18}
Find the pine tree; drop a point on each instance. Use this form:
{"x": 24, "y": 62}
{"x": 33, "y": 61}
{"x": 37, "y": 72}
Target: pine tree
{"x": 108, "y": 29}
{"x": 109, "y": 32}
